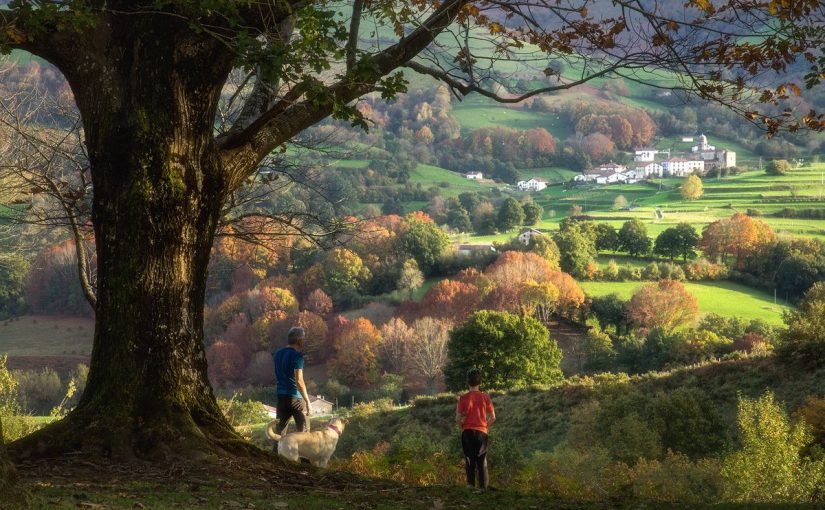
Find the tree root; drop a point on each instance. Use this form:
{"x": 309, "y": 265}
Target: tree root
{"x": 177, "y": 437}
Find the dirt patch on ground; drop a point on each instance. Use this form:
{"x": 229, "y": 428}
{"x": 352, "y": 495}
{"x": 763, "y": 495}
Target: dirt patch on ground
{"x": 570, "y": 338}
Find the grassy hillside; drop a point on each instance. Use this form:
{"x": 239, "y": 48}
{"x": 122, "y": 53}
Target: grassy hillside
{"x": 724, "y": 298}
{"x": 451, "y": 183}
{"x": 46, "y": 336}
{"x": 538, "y": 419}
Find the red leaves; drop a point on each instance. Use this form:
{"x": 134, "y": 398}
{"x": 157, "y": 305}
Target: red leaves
{"x": 666, "y": 304}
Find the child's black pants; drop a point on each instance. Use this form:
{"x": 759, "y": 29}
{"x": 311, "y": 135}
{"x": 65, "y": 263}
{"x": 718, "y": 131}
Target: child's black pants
{"x": 474, "y": 443}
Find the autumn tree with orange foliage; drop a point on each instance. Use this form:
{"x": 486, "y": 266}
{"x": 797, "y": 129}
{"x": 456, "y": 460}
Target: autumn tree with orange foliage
{"x": 502, "y": 298}
{"x": 512, "y": 268}
{"x": 450, "y": 299}
{"x": 739, "y": 236}
{"x": 318, "y": 302}
{"x": 571, "y": 296}
{"x": 356, "y": 354}
{"x": 256, "y": 241}
{"x": 665, "y": 304}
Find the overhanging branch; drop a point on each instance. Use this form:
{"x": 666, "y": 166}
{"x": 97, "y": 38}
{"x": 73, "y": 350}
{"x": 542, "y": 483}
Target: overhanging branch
{"x": 468, "y": 88}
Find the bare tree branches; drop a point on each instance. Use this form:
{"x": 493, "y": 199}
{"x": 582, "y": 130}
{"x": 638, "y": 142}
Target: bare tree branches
{"x": 44, "y": 170}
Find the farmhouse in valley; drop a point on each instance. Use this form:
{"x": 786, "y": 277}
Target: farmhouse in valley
{"x": 525, "y": 236}
{"x": 319, "y": 405}
{"x": 533, "y": 184}
{"x": 680, "y": 167}
{"x": 474, "y": 176}
{"x": 607, "y": 173}
{"x": 645, "y": 155}
{"x": 468, "y": 249}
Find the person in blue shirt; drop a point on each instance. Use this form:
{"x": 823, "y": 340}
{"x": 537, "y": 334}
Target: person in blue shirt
{"x": 293, "y": 400}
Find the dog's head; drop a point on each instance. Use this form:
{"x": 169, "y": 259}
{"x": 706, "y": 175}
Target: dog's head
{"x": 339, "y": 423}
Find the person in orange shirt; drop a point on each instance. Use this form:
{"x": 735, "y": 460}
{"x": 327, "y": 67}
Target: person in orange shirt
{"x": 475, "y": 412}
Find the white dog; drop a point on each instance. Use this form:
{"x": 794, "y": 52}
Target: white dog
{"x": 317, "y": 447}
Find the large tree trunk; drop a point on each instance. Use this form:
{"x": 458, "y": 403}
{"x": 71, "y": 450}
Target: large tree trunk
{"x": 158, "y": 191}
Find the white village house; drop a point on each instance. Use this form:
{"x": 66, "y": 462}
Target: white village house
{"x": 533, "y": 184}
{"x": 468, "y": 249}
{"x": 607, "y": 173}
{"x": 680, "y": 167}
{"x": 645, "y": 155}
{"x": 648, "y": 170}
{"x": 474, "y": 176}
{"x": 525, "y": 236}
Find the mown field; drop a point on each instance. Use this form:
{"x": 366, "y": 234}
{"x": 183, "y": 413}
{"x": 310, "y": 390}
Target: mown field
{"x": 724, "y": 298}
{"x": 754, "y": 191}
{"x": 450, "y": 183}
{"x": 33, "y": 342}
{"x": 44, "y": 335}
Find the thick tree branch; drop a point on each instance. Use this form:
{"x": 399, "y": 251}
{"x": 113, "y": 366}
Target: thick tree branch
{"x": 467, "y": 88}
{"x": 242, "y": 154}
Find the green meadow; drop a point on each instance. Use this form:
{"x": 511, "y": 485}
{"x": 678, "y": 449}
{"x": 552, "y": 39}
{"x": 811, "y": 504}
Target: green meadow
{"x": 450, "y": 183}
{"x": 725, "y": 298}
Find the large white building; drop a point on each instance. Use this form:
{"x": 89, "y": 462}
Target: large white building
{"x": 703, "y": 145}
{"x": 648, "y": 170}
{"x": 680, "y": 167}
{"x": 645, "y": 155}
{"x": 474, "y": 176}
{"x": 533, "y": 184}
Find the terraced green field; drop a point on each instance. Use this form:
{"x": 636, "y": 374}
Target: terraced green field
{"x": 725, "y": 298}
{"x": 450, "y": 183}
{"x": 751, "y": 190}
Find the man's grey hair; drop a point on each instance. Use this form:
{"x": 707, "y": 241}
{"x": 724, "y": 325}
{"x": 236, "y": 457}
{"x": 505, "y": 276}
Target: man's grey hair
{"x": 295, "y": 335}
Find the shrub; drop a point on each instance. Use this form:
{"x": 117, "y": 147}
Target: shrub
{"x": 804, "y": 340}
{"x": 241, "y": 413}
{"x": 574, "y": 474}
{"x": 39, "y": 390}
{"x": 629, "y": 273}
{"x": 703, "y": 269}
{"x": 698, "y": 345}
{"x": 676, "y": 479}
{"x": 611, "y": 271}
{"x": 651, "y": 271}
{"x": 15, "y": 425}
{"x": 778, "y": 167}
{"x": 769, "y": 468}
{"x": 671, "y": 271}
{"x": 529, "y": 356}
{"x": 812, "y": 413}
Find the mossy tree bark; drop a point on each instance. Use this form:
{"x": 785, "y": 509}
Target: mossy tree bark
{"x": 148, "y": 98}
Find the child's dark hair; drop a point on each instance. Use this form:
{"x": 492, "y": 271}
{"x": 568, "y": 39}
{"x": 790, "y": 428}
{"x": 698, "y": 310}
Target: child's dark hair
{"x": 474, "y": 377}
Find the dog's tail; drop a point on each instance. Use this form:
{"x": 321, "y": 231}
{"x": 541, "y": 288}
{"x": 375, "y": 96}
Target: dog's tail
{"x": 270, "y": 431}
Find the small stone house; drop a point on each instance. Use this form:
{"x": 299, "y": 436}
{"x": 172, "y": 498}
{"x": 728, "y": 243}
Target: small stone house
{"x": 319, "y": 405}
